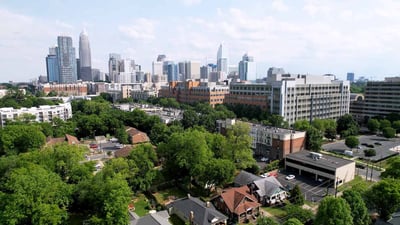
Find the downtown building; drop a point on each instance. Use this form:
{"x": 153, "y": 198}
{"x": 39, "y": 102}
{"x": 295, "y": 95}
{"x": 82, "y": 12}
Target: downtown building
{"x": 44, "y": 113}
{"x": 191, "y": 92}
{"x": 85, "y": 59}
{"x": 295, "y": 97}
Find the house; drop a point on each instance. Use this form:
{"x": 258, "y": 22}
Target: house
{"x": 268, "y": 190}
{"x": 238, "y": 203}
{"x": 245, "y": 178}
{"x": 196, "y": 212}
{"x": 157, "y": 218}
{"x": 123, "y": 152}
{"x": 136, "y": 136}
{"x": 72, "y": 140}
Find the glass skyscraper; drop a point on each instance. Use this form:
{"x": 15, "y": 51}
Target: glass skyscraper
{"x": 52, "y": 65}
{"x": 247, "y": 68}
{"x": 66, "y": 60}
{"x": 85, "y": 57}
{"x": 222, "y": 61}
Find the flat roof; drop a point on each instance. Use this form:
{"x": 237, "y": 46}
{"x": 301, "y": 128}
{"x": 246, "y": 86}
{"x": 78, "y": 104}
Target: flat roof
{"x": 327, "y": 161}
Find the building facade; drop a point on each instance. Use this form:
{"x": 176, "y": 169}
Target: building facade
{"x": 44, "y": 113}
{"x": 75, "y": 89}
{"x": 247, "y": 67}
{"x": 53, "y": 74}
{"x": 222, "y": 61}
{"x": 195, "y": 91}
{"x": 248, "y": 94}
{"x": 66, "y": 60}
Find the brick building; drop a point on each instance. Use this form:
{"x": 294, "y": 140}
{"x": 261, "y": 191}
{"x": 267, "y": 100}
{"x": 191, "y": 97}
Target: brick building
{"x": 76, "y": 89}
{"x": 193, "y": 91}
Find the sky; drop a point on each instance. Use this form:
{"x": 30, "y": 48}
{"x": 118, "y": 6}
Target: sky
{"x": 301, "y": 36}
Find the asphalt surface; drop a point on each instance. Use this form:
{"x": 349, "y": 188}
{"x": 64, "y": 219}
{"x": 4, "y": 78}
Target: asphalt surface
{"x": 384, "y": 147}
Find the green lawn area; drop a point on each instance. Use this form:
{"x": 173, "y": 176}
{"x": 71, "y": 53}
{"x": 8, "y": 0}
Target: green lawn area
{"x": 141, "y": 205}
{"x": 163, "y": 196}
{"x": 357, "y": 182}
{"x": 174, "y": 219}
{"x": 278, "y": 212}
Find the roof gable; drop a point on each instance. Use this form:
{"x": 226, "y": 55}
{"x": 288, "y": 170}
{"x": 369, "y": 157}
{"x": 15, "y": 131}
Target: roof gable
{"x": 245, "y": 178}
{"x": 268, "y": 186}
{"x": 238, "y": 200}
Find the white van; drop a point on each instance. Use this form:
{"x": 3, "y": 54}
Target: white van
{"x": 348, "y": 153}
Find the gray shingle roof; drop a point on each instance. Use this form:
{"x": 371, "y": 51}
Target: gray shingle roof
{"x": 202, "y": 215}
{"x": 268, "y": 186}
{"x": 245, "y": 178}
{"x": 158, "y": 218}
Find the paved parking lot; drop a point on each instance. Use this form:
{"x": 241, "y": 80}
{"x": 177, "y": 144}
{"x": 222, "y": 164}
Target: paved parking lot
{"x": 384, "y": 147}
{"x": 313, "y": 191}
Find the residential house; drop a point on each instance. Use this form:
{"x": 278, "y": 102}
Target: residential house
{"x": 196, "y": 212}
{"x": 268, "y": 190}
{"x": 72, "y": 140}
{"x": 245, "y": 178}
{"x": 136, "y": 136}
{"x": 238, "y": 203}
{"x": 157, "y": 218}
{"x": 123, "y": 152}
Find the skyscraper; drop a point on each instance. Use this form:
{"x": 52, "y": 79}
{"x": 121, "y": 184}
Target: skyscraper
{"x": 247, "y": 68}
{"x": 222, "y": 61}
{"x": 350, "y": 77}
{"x": 66, "y": 60}
{"x": 85, "y": 57}
{"x": 52, "y": 65}
{"x": 114, "y": 64}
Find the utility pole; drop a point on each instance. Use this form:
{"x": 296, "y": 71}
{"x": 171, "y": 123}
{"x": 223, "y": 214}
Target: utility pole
{"x": 366, "y": 174}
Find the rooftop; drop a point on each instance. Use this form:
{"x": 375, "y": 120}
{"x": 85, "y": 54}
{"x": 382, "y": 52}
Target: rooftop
{"x": 326, "y": 161}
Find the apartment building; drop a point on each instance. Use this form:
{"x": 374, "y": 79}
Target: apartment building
{"x": 44, "y": 113}
{"x": 193, "y": 91}
{"x": 76, "y": 89}
{"x": 271, "y": 142}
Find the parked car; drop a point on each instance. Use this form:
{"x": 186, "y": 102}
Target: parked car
{"x": 119, "y": 146}
{"x": 264, "y": 159}
{"x": 93, "y": 145}
{"x": 378, "y": 143}
{"x": 290, "y": 177}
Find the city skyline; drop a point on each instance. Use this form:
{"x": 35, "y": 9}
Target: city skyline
{"x": 307, "y": 37}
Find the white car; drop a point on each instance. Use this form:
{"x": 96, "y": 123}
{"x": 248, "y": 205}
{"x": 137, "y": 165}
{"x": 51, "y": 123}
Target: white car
{"x": 264, "y": 159}
{"x": 290, "y": 177}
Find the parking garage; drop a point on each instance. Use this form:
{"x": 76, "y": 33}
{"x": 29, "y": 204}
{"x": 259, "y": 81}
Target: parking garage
{"x": 321, "y": 166}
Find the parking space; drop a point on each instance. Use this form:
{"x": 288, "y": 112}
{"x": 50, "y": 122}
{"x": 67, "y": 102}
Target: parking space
{"x": 384, "y": 147}
{"x": 312, "y": 190}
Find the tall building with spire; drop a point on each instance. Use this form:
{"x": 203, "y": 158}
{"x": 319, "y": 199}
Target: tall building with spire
{"x": 85, "y": 57}
{"x": 66, "y": 60}
{"x": 222, "y": 61}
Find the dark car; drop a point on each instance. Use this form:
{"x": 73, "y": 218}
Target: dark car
{"x": 378, "y": 143}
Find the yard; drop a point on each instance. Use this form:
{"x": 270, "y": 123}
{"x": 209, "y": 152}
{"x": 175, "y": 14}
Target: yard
{"x": 142, "y": 205}
{"x": 166, "y": 196}
{"x": 357, "y": 183}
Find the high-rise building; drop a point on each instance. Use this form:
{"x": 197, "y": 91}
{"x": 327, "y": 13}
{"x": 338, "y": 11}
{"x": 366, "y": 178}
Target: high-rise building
{"x": 85, "y": 57}
{"x": 52, "y": 65}
{"x": 247, "y": 68}
{"x": 222, "y": 61}
{"x": 189, "y": 70}
{"x": 171, "y": 70}
{"x": 66, "y": 60}
{"x": 350, "y": 77}
{"x": 114, "y": 64}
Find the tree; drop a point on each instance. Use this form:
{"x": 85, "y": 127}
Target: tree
{"x": 33, "y": 195}
{"x": 15, "y": 139}
{"x": 296, "y": 197}
{"x": 347, "y": 126}
{"x": 302, "y": 125}
{"x": 292, "y": 221}
{"x": 313, "y": 139}
{"x": 385, "y": 123}
{"x": 263, "y": 220}
{"x": 190, "y": 118}
{"x": 330, "y": 133}
{"x": 384, "y": 197}
{"x": 352, "y": 141}
{"x": 121, "y": 135}
{"x": 393, "y": 168}
{"x": 218, "y": 172}
{"x": 358, "y": 209}
{"x": 333, "y": 211}
{"x": 389, "y": 132}
{"x": 396, "y": 125}
{"x": 369, "y": 152}
{"x": 373, "y": 125}
{"x": 295, "y": 211}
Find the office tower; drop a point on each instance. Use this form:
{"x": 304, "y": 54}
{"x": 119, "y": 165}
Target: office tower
{"x": 171, "y": 71}
{"x": 222, "y": 61}
{"x": 66, "y": 60}
{"x": 350, "y": 77}
{"x": 114, "y": 64}
{"x": 52, "y": 65}
{"x": 127, "y": 72}
{"x": 247, "y": 68}
{"x": 157, "y": 68}
{"x": 78, "y": 70}
{"x": 161, "y": 58}
{"x": 85, "y": 57}
{"x": 274, "y": 70}
{"x": 189, "y": 70}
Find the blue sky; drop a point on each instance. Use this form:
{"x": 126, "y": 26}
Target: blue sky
{"x": 302, "y": 36}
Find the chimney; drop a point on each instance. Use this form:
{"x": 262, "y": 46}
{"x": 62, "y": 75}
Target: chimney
{"x": 208, "y": 204}
{"x": 188, "y": 195}
{"x": 191, "y": 217}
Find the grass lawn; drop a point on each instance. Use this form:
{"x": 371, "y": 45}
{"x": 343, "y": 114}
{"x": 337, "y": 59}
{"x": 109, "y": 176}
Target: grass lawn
{"x": 357, "y": 182}
{"x": 141, "y": 205}
{"x": 277, "y": 212}
{"x": 164, "y": 196}
{"x": 174, "y": 219}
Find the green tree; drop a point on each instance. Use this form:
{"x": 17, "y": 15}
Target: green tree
{"x": 144, "y": 157}
{"x": 393, "y": 168}
{"x": 369, "y": 152}
{"x": 295, "y": 211}
{"x": 292, "y": 221}
{"x": 296, "y": 197}
{"x": 190, "y": 118}
{"x": 33, "y": 195}
{"x": 385, "y": 123}
{"x": 218, "y": 172}
{"x": 15, "y": 139}
{"x": 373, "y": 125}
{"x": 347, "y": 126}
{"x": 396, "y": 125}
{"x": 384, "y": 197}
{"x": 352, "y": 141}
{"x": 330, "y": 133}
{"x": 302, "y": 125}
{"x": 389, "y": 132}
{"x": 121, "y": 135}
{"x": 333, "y": 211}
{"x": 359, "y": 210}
{"x": 313, "y": 139}
{"x": 263, "y": 220}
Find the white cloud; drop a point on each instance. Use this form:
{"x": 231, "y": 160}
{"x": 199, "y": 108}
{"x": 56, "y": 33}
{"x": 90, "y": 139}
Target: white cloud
{"x": 314, "y": 7}
{"x": 141, "y": 28}
{"x": 279, "y": 6}
{"x": 191, "y": 2}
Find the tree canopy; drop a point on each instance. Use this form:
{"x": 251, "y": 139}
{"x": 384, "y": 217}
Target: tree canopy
{"x": 358, "y": 209}
{"x": 384, "y": 197}
{"x": 333, "y": 211}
